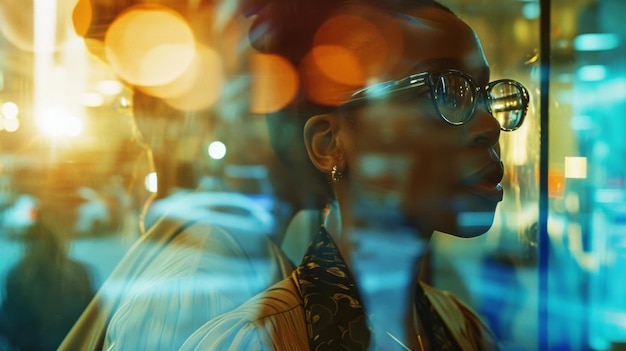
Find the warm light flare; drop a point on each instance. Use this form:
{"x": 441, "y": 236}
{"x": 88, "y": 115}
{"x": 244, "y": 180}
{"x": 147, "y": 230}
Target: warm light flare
{"x": 341, "y": 55}
{"x": 370, "y": 42}
{"x": 200, "y": 86}
{"x": 91, "y": 99}
{"x": 319, "y": 87}
{"x": 11, "y": 124}
{"x": 339, "y": 64}
{"x": 110, "y": 87}
{"x": 81, "y": 17}
{"x": 556, "y": 183}
{"x": 274, "y": 83}
{"x": 349, "y": 52}
{"x": 57, "y": 125}
{"x": 10, "y": 109}
{"x": 36, "y": 25}
{"x": 150, "y": 45}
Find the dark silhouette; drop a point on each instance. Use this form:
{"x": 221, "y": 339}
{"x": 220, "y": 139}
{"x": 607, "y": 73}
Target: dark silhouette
{"x": 45, "y": 293}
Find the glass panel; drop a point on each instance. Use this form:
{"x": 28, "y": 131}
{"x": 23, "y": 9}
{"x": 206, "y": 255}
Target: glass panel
{"x": 142, "y": 159}
{"x": 586, "y": 176}
{"x": 135, "y": 162}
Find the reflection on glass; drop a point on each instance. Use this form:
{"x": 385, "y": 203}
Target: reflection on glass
{"x": 139, "y": 132}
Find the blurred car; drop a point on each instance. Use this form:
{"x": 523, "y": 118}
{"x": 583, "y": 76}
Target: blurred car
{"x": 21, "y": 215}
{"x": 230, "y": 210}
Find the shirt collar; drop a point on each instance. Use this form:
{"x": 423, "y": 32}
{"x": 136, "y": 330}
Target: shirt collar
{"x": 334, "y": 314}
{"x": 335, "y": 317}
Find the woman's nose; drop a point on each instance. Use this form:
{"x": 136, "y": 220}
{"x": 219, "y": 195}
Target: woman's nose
{"x": 484, "y": 128}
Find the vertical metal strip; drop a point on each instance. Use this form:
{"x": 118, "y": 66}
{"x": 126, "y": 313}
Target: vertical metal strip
{"x": 544, "y": 240}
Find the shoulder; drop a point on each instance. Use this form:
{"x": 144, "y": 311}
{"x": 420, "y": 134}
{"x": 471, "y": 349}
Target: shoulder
{"x": 466, "y": 326}
{"x": 272, "y": 320}
{"x": 180, "y": 275}
{"x": 202, "y": 272}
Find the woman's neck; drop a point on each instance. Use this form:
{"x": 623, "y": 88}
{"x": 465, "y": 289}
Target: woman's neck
{"x": 385, "y": 261}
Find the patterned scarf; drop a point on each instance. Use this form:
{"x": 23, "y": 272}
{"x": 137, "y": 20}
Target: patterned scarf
{"x": 335, "y": 317}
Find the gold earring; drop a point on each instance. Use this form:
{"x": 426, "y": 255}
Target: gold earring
{"x": 336, "y": 174}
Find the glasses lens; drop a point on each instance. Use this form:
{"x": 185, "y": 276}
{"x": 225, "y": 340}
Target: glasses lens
{"x": 455, "y": 96}
{"x": 508, "y": 102}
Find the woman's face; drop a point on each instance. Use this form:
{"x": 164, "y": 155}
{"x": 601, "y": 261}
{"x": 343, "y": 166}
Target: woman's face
{"x": 398, "y": 151}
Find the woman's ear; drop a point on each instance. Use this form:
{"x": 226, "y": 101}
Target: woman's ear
{"x": 320, "y": 138}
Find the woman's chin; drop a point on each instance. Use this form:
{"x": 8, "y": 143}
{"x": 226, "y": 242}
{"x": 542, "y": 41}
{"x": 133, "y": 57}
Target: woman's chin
{"x": 470, "y": 224}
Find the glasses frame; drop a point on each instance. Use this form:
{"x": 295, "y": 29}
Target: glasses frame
{"x": 414, "y": 81}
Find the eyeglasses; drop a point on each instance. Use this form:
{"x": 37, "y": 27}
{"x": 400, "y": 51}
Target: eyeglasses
{"x": 455, "y": 96}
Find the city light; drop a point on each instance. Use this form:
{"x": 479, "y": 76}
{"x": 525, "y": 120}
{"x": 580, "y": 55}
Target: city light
{"x": 11, "y": 124}
{"x": 592, "y": 73}
{"x": 217, "y": 150}
{"x": 10, "y": 110}
{"x": 93, "y": 99}
{"x": 58, "y": 124}
{"x": 596, "y": 42}
{"x": 109, "y": 87}
{"x": 151, "y": 182}
{"x": 576, "y": 167}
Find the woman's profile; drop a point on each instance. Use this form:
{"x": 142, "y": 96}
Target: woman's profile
{"x": 397, "y": 117}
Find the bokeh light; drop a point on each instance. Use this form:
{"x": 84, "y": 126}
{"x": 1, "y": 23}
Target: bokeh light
{"x": 199, "y": 87}
{"x": 349, "y": 52}
{"x": 10, "y": 109}
{"x": 58, "y": 124}
{"x": 16, "y": 23}
{"x": 339, "y": 64}
{"x": 575, "y": 167}
{"x": 151, "y": 182}
{"x": 217, "y": 150}
{"x": 336, "y": 53}
{"x": 110, "y": 87}
{"x": 274, "y": 83}
{"x": 556, "y": 183}
{"x": 92, "y": 99}
{"x": 24, "y": 22}
{"x": 319, "y": 87}
{"x": 81, "y": 17}
{"x": 369, "y": 42}
{"x": 11, "y": 124}
{"x": 150, "y": 45}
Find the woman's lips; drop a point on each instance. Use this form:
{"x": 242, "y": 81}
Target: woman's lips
{"x": 486, "y": 182}
{"x": 488, "y": 191}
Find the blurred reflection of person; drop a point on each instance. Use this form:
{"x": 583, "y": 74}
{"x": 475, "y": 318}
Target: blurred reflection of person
{"x": 181, "y": 271}
{"x": 45, "y": 292}
{"x": 398, "y": 118}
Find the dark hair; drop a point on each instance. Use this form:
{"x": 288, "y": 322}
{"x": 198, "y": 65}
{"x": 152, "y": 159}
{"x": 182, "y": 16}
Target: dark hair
{"x": 287, "y": 28}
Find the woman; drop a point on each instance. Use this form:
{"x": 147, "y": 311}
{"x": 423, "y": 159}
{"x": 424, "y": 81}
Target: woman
{"x": 406, "y": 137}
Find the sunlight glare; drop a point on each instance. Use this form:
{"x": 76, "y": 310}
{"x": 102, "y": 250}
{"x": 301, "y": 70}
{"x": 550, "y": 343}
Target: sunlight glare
{"x": 59, "y": 125}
